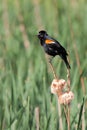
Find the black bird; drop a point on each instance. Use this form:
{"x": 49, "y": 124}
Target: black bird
{"x": 52, "y": 47}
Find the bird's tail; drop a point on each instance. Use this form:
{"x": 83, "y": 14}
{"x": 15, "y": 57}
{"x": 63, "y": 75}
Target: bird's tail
{"x": 66, "y": 61}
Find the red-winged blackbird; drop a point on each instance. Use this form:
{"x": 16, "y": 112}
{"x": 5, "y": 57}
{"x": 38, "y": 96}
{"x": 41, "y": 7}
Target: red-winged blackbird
{"x": 52, "y": 47}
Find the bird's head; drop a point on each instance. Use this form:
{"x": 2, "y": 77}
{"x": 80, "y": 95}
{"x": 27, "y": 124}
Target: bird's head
{"x": 42, "y": 34}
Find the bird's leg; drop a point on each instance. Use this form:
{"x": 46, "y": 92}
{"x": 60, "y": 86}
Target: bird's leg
{"x": 52, "y": 68}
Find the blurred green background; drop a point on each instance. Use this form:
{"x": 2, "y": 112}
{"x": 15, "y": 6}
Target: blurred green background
{"x": 25, "y": 77}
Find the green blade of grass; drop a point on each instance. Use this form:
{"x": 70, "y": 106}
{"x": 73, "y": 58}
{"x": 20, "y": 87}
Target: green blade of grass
{"x": 80, "y": 114}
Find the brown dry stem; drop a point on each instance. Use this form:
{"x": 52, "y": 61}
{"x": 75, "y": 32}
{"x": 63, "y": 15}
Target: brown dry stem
{"x": 54, "y": 73}
{"x": 37, "y": 115}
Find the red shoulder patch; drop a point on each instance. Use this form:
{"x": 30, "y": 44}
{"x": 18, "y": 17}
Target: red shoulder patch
{"x": 47, "y": 41}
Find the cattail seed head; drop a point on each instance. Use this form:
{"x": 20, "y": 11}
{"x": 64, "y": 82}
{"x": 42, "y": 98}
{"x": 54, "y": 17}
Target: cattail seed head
{"x": 58, "y": 87}
{"x": 66, "y": 97}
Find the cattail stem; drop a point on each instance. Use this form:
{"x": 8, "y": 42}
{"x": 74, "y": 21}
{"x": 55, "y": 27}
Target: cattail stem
{"x": 68, "y": 79}
{"x": 52, "y": 68}
{"x": 68, "y": 109}
{"x": 67, "y": 115}
{"x": 60, "y": 116}
{"x": 65, "y": 111}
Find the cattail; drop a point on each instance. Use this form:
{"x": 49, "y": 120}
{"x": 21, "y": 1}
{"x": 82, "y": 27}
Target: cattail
{"x": 66, "y": 97}
{"x": 58, "y": 87}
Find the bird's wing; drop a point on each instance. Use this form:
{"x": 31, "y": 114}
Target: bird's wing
{"x": 55, "y": 44}
{"x": 59, "y": 47}
{"x": 49, "y": 41}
